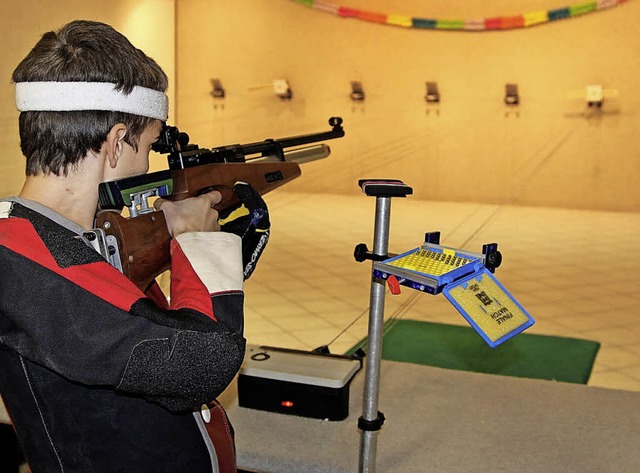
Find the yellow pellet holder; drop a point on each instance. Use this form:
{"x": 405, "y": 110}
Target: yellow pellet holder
{"x": 465, "y": 279}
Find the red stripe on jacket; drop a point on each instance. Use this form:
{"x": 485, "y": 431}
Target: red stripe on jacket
{"x": 102, "y": 279}
{"x": 99, "y": 278}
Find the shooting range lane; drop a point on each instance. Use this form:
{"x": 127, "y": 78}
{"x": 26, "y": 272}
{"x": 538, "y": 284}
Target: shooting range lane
{"x": 572, "y": 270}
{"x": 549, "y": 260}
{"x": 459, "y": 421}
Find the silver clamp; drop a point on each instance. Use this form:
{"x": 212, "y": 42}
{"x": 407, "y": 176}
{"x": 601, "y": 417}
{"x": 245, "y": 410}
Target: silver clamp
{"x": 106, "y": 245}
{"x": 140, "y": 202}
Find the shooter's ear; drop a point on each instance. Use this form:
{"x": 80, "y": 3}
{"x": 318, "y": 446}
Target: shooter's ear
{"x": 115, "y": 143}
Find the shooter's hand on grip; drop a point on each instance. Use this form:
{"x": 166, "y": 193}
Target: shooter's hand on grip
{"x": 195, "y": 214}
{"x": 250, "y": 221}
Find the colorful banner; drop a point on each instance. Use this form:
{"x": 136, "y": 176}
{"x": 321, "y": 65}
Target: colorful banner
{"x": 486, "y": 24}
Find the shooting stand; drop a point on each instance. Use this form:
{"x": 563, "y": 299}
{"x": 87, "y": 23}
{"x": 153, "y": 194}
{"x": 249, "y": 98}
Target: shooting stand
{"x": 466, "y": 279}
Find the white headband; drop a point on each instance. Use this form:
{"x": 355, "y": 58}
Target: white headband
{"x": 69, "y": 96}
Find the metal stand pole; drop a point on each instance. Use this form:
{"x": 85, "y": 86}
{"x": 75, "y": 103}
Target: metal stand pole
{"x": 371, "y": 419}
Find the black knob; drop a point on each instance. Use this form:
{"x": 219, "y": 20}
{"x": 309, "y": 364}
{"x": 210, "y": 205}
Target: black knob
{"x": 493, "y": 260}
{"x": 335, "y": 121}
{"x": 361, "y": 252}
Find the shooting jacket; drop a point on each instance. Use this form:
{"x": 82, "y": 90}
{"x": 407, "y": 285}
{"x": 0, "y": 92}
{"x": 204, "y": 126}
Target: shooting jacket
{"x": 96, "y": 376}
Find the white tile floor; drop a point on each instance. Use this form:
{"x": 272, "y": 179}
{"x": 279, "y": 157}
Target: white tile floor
{"x": 573, "y": 270}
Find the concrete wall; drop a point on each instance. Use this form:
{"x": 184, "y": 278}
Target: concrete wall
{"x": 554, "y": 152}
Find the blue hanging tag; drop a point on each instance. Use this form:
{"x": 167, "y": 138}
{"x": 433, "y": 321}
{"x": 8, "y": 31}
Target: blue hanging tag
{"x": 488, "y": 307}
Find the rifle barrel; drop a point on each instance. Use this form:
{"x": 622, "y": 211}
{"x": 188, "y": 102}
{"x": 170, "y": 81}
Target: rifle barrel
{"x": 298, "y": 155}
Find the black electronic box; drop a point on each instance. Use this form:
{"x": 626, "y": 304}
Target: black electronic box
{"x": 295, "y": 382}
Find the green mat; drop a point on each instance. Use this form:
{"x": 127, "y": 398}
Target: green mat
{"x": 461, "y": 348}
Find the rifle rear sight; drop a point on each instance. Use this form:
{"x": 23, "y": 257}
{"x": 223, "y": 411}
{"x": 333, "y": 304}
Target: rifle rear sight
{"x": 184, "y": 155}
{"x": 170, "y": 140}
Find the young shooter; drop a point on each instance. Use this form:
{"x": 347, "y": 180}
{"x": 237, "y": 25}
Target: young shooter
{"x": 96, "y": 375}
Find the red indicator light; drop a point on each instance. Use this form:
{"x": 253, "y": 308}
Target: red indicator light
{"x": 286, "y": 404}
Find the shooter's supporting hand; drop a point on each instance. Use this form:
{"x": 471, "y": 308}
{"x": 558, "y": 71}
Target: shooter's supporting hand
{"x": 250, "y": 221}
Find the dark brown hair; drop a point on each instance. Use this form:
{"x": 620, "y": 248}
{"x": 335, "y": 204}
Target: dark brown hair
{"x": 81, "y": 51}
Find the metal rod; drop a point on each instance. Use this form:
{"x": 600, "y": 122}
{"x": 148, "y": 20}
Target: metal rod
{"x": 368, "y": 439}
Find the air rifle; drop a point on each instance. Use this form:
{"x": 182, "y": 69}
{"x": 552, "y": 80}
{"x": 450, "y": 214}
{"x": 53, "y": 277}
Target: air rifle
{"x": 138, "y": 245}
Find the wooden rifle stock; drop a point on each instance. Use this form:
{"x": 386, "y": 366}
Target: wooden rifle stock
{"x": 143, "y": 240}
